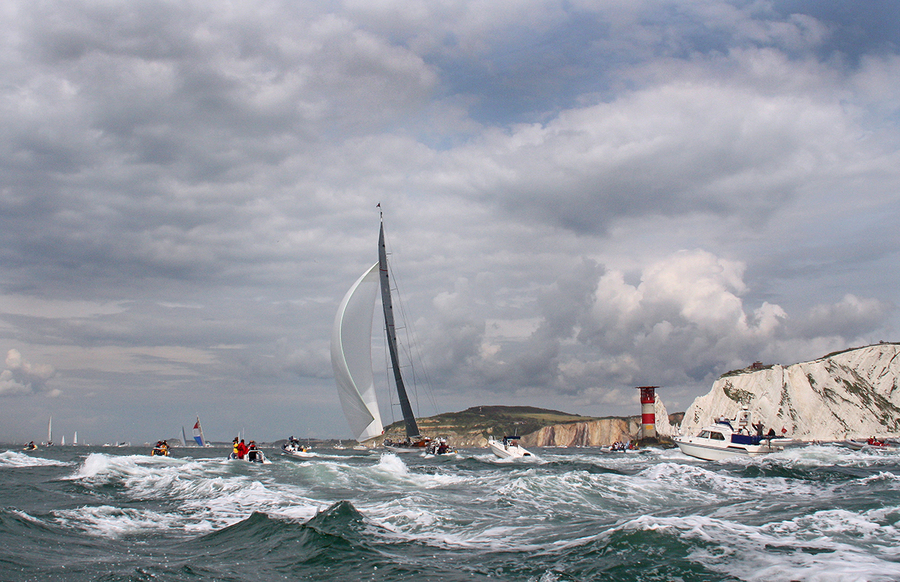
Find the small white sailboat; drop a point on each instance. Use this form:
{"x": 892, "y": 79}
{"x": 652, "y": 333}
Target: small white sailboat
{"x": 62, "y": 443}
{"x": 508, "y": 448}
{"x": 75, "y": 439}
{"x": 198, "y": 434}
{"x": 50, "y": 432}
{"x": 351, "y": 358}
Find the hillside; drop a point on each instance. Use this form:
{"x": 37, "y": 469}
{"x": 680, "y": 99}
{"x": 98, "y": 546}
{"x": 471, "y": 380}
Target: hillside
{"x": 849, "y": 394}
{"x": 537, "y": 426}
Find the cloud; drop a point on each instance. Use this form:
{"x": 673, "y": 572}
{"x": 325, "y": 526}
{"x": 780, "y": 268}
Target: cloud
{"x": 187, "y": 190}
{"x": 684, "y": 323}
{"x": 21, "y": 377}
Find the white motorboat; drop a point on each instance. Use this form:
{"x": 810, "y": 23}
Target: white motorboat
{"x": 721, "y": 441}
{"x": 508, "y": 448}
{"x": 293, "y": 448}
{"x": 252, "y": 456}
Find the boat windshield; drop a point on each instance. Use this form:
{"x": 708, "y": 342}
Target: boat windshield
{"x": 711, "y": 434}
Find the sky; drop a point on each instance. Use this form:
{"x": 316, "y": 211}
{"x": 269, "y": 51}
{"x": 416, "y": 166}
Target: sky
{"x": 579, "y": 198}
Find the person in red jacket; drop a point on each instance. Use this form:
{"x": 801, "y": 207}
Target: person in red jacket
{"x": 241, "y": 449}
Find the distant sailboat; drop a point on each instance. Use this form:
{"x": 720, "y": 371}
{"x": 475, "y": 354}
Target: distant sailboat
{"x": 50, "y": 432}
{"x": 198, "y": 433}
{"x": 63, "y": 442}
{"x": 75, "y": 439}
{"x": 351, "y": 358}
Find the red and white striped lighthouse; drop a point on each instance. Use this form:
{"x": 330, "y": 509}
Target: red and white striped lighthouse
{"x": 648, "y": 410}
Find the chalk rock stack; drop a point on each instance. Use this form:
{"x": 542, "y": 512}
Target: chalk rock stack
{"x": 850, "y": 394}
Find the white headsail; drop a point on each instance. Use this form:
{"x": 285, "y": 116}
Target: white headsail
{"x": 351, "y": 357}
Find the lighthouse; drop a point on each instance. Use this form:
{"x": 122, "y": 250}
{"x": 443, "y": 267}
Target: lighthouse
{"x": 648, "y": 411}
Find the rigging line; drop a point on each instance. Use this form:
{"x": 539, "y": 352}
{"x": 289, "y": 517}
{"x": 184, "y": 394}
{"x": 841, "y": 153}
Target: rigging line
{"x": 413, "y": 351}
{"x": 401, "y": 307}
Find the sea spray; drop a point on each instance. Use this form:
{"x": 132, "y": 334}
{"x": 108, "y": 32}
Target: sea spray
{"x": 818, "y": 512}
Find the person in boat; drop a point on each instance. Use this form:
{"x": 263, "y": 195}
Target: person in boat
{"x": 759, "y": 428}
{"x": 253, "y": 453}
{"x": 294, "y": 444}
{"x": 771, "y": 432}
{"x": 241, "y": 449}
{"x": 234, "y": 448}
{"x": 30, "y": 446}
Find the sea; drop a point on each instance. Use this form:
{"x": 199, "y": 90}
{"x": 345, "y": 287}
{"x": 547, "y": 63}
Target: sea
{"x": 819, "y": 513}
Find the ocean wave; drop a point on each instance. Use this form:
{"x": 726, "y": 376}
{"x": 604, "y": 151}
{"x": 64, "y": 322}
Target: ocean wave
{"x": 14, "y": 459}
{"x": 811, "y": 547}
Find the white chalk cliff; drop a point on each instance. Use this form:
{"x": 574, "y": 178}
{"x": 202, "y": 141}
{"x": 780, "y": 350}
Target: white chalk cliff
{"x": 850, "y": 394}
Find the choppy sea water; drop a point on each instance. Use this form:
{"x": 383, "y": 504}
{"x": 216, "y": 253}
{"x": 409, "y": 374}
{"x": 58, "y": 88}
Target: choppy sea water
{"x": 110, "y": 514}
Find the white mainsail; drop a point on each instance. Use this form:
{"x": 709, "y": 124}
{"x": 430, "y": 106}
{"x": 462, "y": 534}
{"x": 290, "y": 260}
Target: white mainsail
{"x": 351, "y": 356}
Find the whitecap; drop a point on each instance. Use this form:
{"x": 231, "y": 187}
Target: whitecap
{"x": 18, "y": 459}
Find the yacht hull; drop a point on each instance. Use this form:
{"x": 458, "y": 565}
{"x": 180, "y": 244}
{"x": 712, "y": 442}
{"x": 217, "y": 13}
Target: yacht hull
{"x": 709, "y": 450}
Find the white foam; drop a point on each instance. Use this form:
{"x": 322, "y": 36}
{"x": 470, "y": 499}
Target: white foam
{"x": 392, "y": 465}
{"x": 207, "y": 494}
{"x": 810, "y": 547}
{"x": 17, "y": 459}
{"x": 108, "y": 521}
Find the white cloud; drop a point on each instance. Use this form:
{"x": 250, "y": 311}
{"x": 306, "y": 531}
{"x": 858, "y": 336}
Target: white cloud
{"x": 21, "y": 377}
